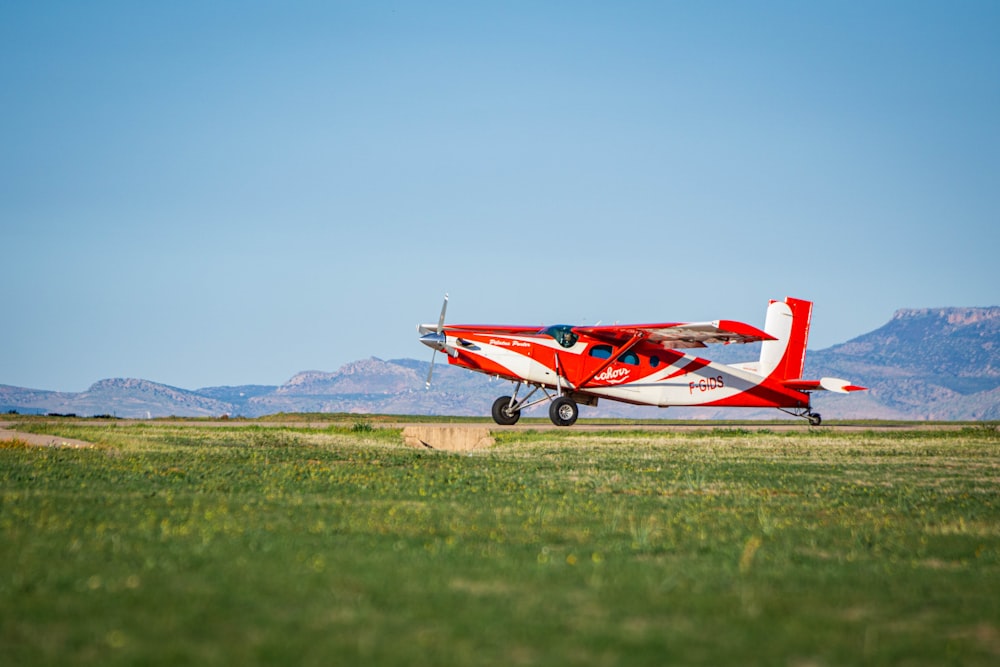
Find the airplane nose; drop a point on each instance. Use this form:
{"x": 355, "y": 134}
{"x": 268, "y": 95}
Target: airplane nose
{"x": 434, "y": 340}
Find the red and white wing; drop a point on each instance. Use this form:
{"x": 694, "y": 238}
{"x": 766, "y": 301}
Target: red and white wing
{"x": 680, "y": 335}
{"x": 485, "y": 329}
{"x": 496, "y": 329}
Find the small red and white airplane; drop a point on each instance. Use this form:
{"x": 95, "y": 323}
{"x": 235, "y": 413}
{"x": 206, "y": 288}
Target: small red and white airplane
{"x": 641, "y": 364}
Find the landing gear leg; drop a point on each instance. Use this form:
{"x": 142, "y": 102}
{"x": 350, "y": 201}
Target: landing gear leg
{"x": 563, "y": 410}
{"x": 813, "y": 418}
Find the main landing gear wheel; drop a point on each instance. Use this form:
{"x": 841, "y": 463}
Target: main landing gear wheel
{"x": 563, "y": 411}
{"x": 502, "y": 414}
{"x": 814, "y": 419}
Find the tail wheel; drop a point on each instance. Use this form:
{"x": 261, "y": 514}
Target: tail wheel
{"x": 563, "y": 411}
{"x": 502, "y": 414}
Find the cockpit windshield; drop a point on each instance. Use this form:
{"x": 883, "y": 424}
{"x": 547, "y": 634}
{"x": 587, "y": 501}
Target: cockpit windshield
{"x": 563, "y": 333}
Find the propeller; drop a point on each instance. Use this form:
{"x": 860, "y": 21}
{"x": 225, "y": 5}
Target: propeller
{"x": 434, "y": 337}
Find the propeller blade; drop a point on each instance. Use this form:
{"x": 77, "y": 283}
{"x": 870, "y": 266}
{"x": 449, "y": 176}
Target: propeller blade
{"x": 435, "y": 338}
{"x": 430, "y": 371}
{"x": 444, "y": 307}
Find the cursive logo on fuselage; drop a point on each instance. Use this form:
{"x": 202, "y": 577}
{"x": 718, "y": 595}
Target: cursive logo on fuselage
{"x": 613, "y": 375}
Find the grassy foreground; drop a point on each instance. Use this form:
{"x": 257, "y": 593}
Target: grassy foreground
{"x": 240, "y": 544}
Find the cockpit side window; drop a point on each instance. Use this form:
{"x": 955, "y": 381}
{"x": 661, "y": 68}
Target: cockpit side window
{"x": 563, "y": 333}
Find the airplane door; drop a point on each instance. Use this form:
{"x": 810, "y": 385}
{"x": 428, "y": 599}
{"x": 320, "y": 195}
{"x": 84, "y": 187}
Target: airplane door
{"x": 617, "y": 375}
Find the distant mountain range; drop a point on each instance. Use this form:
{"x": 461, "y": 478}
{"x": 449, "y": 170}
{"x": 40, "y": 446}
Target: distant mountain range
{"x": 929, "y": 363}
{"x": 925, "y": 364}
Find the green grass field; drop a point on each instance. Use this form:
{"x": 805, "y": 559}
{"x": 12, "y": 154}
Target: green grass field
{"x": 244, "y": 544}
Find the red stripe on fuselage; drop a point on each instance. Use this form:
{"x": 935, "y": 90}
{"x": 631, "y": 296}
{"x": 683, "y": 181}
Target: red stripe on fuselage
{"x": 690, "y": 367}
{"x": 481, "y": 364}
{"x": 764, "y": 395}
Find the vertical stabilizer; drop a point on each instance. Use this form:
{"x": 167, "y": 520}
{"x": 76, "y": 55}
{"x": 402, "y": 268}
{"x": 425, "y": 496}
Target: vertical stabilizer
{"x": 788, "y": 321}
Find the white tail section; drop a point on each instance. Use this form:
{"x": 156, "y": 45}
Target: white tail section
{"x": 788, "y": 321}
{"x": 778, "y": 323}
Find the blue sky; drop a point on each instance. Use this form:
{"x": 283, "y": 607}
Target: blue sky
{"x": 228, "y": 193}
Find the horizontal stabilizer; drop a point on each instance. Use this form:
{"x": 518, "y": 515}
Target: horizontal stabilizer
{"x": 823, "y": 384}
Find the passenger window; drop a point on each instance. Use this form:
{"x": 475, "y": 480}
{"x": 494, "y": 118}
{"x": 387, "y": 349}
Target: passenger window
{"x": 630, "y": 358}
{"x": 654, "y": 361}
{"x": 600, "y": 351}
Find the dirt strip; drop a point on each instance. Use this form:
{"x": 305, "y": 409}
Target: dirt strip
{"x": 468, "y": 436}
{"x": 40, "y": 439}
{"x": 448, "y": 438}
{"x": 546, "y": 425}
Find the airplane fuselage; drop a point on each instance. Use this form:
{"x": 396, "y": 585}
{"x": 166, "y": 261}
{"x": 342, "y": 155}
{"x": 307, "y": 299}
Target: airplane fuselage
{"x": 644, "y": 364}
{"x": 646, "y": 374}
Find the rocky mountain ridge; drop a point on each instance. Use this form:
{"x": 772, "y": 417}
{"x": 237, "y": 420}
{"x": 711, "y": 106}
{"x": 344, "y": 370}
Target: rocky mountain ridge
{"x": 927, "y": 363}
{"x": 930, "y": 363}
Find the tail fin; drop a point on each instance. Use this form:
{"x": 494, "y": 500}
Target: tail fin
{"x": 788, "y": 321}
